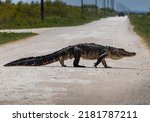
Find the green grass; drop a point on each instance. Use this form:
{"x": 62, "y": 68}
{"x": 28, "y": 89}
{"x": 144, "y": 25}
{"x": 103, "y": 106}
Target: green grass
{"x": 142, "y": 26}
{"x": 56, "y": 21}
{"x": 9, "y": 37}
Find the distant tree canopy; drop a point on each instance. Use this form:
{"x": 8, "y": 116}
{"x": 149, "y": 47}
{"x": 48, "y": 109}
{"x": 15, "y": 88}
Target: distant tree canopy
{"x": 8, "y": 1}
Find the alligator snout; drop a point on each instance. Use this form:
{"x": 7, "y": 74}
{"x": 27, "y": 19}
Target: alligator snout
{"x": 125, "y": 53}
{"x": 132, "y": 54}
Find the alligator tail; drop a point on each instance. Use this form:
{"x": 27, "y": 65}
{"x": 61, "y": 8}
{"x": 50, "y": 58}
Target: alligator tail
{"x": 62, "y": 54}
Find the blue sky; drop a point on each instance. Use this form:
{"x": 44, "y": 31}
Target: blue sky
{"x": 138, "y": 5}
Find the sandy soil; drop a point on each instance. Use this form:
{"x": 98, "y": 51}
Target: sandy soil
{"x": 127, "y": 82}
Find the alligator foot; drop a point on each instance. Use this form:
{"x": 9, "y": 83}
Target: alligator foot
{"x": 79, "y": 66}
{"x": 64, "y": 66}
{"x": 108, "y": 67}
{"x": 95, "y": 65}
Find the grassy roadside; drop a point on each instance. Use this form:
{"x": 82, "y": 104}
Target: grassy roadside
{"x": 9, "y": 37}
{"x": 53, "y": 21}
{"x": 141, "y": 25}
{"x": 56, "y": 14}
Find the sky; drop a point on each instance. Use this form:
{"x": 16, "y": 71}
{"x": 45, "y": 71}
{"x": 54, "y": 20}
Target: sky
{"x": 134, "y": 5}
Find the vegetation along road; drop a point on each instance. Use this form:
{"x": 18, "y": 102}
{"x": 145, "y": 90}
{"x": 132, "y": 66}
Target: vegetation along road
{"x": 127, "y": 82}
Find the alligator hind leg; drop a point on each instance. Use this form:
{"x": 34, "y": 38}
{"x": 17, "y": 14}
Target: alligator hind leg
{"x": 62, "y": 63}
{"x": 77, "y": 55}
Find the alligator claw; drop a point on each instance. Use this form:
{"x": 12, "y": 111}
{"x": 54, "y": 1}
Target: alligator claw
{"x": 95, "y": 65}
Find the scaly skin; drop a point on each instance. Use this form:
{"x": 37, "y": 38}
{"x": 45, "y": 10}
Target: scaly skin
{"x": 88, "y": 51}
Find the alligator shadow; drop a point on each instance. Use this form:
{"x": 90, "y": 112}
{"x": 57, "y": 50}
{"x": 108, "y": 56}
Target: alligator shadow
{"x": 129, "y": 68}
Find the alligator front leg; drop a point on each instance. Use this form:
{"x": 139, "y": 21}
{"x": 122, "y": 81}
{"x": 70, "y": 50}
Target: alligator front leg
{"x": 101, "y": 57}
{"x": 105, "y": 64}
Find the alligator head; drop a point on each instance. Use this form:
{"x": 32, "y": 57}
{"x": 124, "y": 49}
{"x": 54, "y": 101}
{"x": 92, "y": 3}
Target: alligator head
{"x": 118, "y": 53}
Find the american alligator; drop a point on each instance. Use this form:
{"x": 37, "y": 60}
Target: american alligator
{"x": 84, "y": 50}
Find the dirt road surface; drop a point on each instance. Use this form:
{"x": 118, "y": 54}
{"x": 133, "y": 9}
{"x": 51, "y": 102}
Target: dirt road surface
{"x": 127, "y": 82}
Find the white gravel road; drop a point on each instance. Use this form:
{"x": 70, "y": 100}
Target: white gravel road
{"x": 127, "y": 82}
